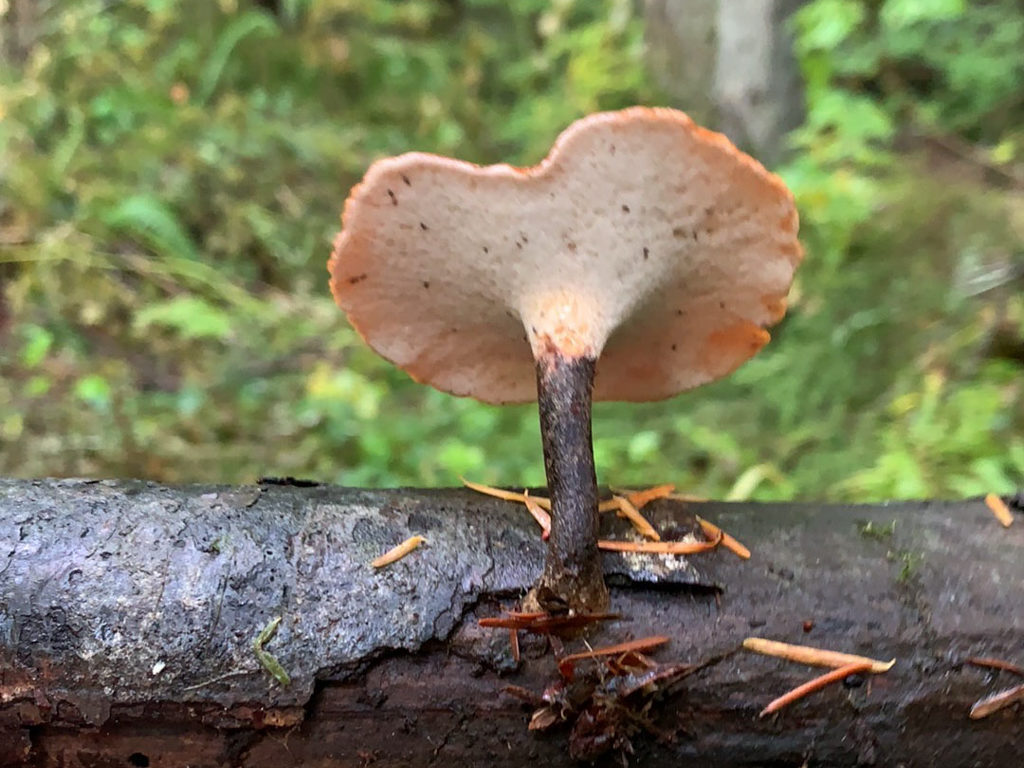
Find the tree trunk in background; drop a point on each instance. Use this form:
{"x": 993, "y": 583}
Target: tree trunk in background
{"x": 129, "y": 611}
{"x": 730, "y": 64}
{"x": 682, "y": 40}
{"x": 17, "y": 28}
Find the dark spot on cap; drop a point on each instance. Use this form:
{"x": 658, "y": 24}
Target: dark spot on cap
{"x": 357, "y": 279}
{"x": 426, "y": 283}
{"x": 519, "y": 245}
{"x": 709, "y": 210}
{"x": 647, "y": 252}
{"x": 674, "y": 347}
{"x": 394, "y": 200}
{"x": 406, "y": 180}
{"x": 679, "y": 312}
{"x": 721, "y": 305}
{"x": 612, "y": 149}
{"x": 678, "y": 232}
{"x": 423, "y": 226}
{"x": 625, "y": 208}
{"x": 523, "y": 237}
{"x": 693, "y": 234}
{"x": 571, "y": 246}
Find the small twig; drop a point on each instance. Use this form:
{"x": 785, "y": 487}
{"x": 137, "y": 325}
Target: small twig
{"x": 566, "y": 664}
{"x": 815, "y": 657}
{"x": 272, "y": 665}
{"x": 970, "y": 153}
{"x": 712, "y": 531}
{"x": 397, "y": 553}
{"x": 217, "y": 679}
{"x": 526, "y": 615}
{"x": 544, "y": 623}
{"x": 815, "y": 685}
{"x": 995, "y": 702}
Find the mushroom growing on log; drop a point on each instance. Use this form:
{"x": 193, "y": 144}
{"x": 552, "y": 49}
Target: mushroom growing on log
{"x": 644, "y": 256}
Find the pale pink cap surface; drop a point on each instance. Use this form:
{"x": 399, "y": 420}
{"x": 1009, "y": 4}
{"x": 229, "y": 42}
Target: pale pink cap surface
{"x": 642, "y": 240}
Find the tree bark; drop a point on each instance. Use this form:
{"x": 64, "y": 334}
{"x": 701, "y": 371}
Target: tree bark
{"x": 18, "y": 26}
{"x": 757, "y": 87}
{"x": 730, "y": 64}
{"x": 128, "y": 613}
{"x": 681, "y": 40}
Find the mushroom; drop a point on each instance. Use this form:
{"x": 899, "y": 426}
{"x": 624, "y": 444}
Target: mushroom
{"x": 643, "y": 257}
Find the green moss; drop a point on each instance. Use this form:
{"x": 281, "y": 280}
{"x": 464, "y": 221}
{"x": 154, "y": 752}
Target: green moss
{"x": 267, "y": 661}
{"x": 909, "y": 562}
{"x": 869, "y": 530}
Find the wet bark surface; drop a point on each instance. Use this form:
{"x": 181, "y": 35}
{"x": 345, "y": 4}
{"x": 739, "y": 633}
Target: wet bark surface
{"x": 128, "y": 613}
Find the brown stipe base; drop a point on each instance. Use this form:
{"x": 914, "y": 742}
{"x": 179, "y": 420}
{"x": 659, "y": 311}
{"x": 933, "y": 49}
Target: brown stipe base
{"x": 573, "y": 578}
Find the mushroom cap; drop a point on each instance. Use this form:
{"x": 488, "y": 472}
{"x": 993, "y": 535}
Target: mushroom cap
{"x": 642, "y": 240}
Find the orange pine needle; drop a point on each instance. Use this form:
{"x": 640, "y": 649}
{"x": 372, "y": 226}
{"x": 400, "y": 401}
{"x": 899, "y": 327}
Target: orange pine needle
{"x": 641, "y": 498}
{"x": 686, "y": 497}
{"x": 539, "y": 514}
{"x": 815, "y": 685}
{"x": 995, "y": 702}
{"x": 513, "y": 638}
{"x": 999, "y": 509}
{"x": 500, "y": 493}
{"x": 815, "y": 657}
{"x": 501, "y": 622}
{"x": 711, "y": 531}
{"x": 397, "y": 553}
{"x": 988, "y": 663}
{"x": 631, "y": 513}
{"x": 659, "y": 547}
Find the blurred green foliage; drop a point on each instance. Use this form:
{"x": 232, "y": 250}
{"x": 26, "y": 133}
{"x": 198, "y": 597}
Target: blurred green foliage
{"x": 172, "y": 174}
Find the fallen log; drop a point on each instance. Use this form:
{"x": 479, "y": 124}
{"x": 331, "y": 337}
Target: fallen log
{"x": 136, "y": 629}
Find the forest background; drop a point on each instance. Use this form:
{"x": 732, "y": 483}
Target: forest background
{"x": 171, "y": 175}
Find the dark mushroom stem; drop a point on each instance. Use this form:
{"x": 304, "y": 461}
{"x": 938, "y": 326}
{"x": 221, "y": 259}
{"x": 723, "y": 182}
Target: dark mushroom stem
{"x": 573, "y": 577}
